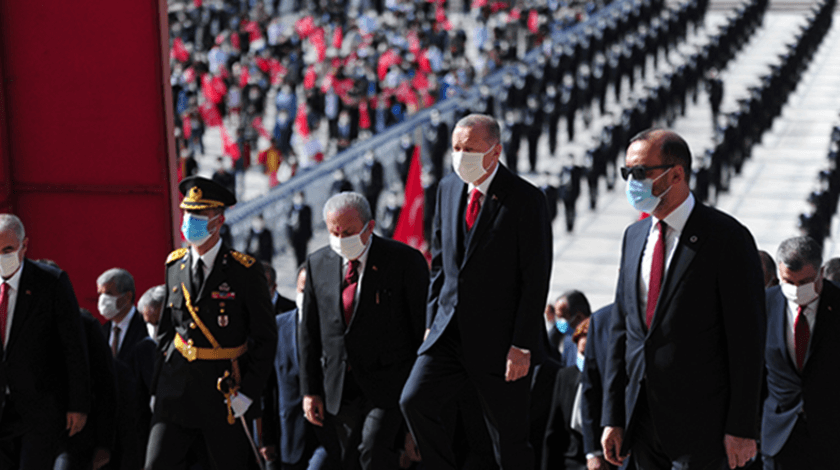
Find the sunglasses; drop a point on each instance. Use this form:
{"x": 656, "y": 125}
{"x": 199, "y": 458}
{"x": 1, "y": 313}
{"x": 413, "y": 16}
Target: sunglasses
{"x": 640, "y": 172}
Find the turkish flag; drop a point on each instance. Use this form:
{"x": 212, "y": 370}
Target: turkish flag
{"x": 410, "y": 225}
{"x": 338, "y": 37}
{"x": 301, "y": 122}
{"x": 305, "y": 26}
{"x": 258, "y": 125}
{"x": 187, "y": 126}
{"x": 364, "y": 115}
{"x": 310, "y": 78}
{"x": 533, "y": 21}
{"x": 210, "y": 114}
{"x": 244, "y": 76}
{"x": 231, "y": 149}
{"x": 179, "y": 51}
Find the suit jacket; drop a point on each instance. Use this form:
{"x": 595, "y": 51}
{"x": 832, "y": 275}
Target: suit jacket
{"x": 45, "y": 363}
{"x": 234, "y": 305}
{"x": 542, "y": 396}
{"x": 701, "y": 361}
{"x": 789, "y": 390}
{"x": 492, "y": 280}
{"x": 384, "y": 332}
{"x": 563, "y": 446}
{"x": 284, "y": 423}
{"x": 594, "y": 369}
{"x": 136, "y": 332}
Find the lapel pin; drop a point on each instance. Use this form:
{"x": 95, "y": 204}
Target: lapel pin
{"x": 374, "y": 268}
{"x": 28, "y": 292}
{"x": 494, "y": 197}
{"x": 183, "y": 265}
{"x": 693, "y": 239}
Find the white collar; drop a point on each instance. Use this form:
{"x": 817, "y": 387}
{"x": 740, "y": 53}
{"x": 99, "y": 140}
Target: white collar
{"x": 678, "y": 217}
{"x": 123, "y": 325}
{"x": 207, "y": 258}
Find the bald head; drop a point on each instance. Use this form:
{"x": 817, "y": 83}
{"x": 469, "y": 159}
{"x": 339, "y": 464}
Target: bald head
{"x": 667, "y": 162}
{"x": 673, "y": 150}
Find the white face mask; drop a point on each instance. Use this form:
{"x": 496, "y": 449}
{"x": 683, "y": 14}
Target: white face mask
{"x": 108, "y": 306}
{"x": 9, "y": 263}
{"x": 469, "y": 166}
{"x": 800, "y": 295}
{"x": 348, "y": 247}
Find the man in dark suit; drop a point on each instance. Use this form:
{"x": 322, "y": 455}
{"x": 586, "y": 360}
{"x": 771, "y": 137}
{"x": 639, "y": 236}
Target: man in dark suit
{"x": 684, "y": 372}
{"x": 491, "y": 261}
{"x": 299, "y": 227}
{"x": 799, "y": 421}
{"x": 592, "y": 386}
{"x": 126, "y": 333}
{"x": 288, "y": 439}
{"x": 281, "y": 304}
{"x": 216, "y": 339}
{"x": 44, "y": 372}
{"x": 362, "y": 323}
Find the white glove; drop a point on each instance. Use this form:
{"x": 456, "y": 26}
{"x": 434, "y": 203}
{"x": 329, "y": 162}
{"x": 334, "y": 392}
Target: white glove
{"x": 240, "y": 404}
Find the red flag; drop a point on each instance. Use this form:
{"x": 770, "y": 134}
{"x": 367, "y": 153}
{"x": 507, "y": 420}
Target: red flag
{"x": 210, "y": 114}
{"x": 277, "y": 71}
{"x": 310, "y": 78}
{"x": 253, "y": 30}
{"x": 234, "y": 41}
{"x": 319, "y": 43}
{"x": 262, "y": 64}
{"x": 338, "y": 37}
{"x": 186, "y": 125}
{"x": 515, "y": 14}
{"x": 244, "y": 76}
{"x": 305, "y": 26}
{"x": 423, "y": 64}
{"x": 533, "y": 21}
{"x": 179, "y": 51}
{"x": 189, "y": 75}
{"x": 364, "y": 115}
{"x": 301, "y": 122}
{"x": 410, "y": 224}
{"x": 478, "y": 3}
{"x": 257, "y": 124}
{"x": 231, "y": 149}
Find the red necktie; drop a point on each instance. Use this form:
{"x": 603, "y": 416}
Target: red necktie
{"x": 801, "y": 335}
{"x": 657, "y": 269}
{"x": 348, "y": 294}
{"x": 473, "y": 207}
{"x": 4, "y": 310}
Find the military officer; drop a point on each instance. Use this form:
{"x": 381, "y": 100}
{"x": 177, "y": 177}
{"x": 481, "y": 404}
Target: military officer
{"x": 216, "y": 339}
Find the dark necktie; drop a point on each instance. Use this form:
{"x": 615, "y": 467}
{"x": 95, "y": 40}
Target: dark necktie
{"x": 348, "y": 293}
{"x": 657, "y": 270}
{"x": 473, "y": 207}
{"x": 4, "y": 310}
{"x": 198, "y": 281}
{"x": 115, "y": 343}
{"x": 801, "y": 335}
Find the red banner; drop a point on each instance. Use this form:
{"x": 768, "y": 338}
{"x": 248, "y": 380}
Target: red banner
{"x": 410, "y": 225}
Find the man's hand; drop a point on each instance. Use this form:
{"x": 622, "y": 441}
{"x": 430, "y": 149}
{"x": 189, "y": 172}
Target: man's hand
{"x": 596, "y": 463}
{"x": 313, "y": 409}
{"x": 75, "y": 422}
{"x": 739, "y": 450}
{"x": 101, "y": 457}
{"x": 518, "y": 363}
{"x": 426, "y": 334}
{"x": 611, "y": 442}
{"x": 268, "y": 453}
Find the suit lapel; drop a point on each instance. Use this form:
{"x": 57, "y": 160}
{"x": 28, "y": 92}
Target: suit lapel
{"x": 23, "y": 303}
{"x": 492, "y": 203}
{"x": 636, "y": 239}
{"x": 370, "y": 280}
{"x": 691, "y": 240}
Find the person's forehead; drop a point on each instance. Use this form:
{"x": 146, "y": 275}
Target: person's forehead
{"x": 344, "y": 216}
{"x": 8, "y": 238}
{"x": 643, "y": 152}
{"x": 107, "y": 286}
{"x": 472, "y": 134}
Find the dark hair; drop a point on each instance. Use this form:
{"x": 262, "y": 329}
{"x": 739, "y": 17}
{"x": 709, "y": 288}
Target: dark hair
{"x": 831, "y": 270}
{"x": 674, "y": 150}
{"x": 797, "y": 252}
{"x": 269, "y": 271}
{"x": 577, "y": 303}
{"x": 581, "y": 331}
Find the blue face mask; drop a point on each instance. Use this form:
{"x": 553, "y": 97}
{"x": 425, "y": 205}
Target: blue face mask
{"x": 640, "y": 193}
{"x": 194, "y": 228}
{"x": 580, "y": 361}
{"x": 562, "y": 325}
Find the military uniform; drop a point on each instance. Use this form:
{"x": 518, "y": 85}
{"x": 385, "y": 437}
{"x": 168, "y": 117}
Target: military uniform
{"x": 225, "y": 328}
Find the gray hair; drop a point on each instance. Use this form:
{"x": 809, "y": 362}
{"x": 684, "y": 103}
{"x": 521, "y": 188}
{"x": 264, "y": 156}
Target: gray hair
{"x": 349, "y": 200}
{"x": 797, "y": 252}
{"x": 122, "y": 279}
{"x": 831, "y": 270}
{"x": 488, "y": 123}
{"x": 12, "y": 222}
{"x": 152, "y": 298}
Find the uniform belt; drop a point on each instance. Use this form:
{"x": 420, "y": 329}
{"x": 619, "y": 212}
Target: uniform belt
{"x": 192, "y": 353}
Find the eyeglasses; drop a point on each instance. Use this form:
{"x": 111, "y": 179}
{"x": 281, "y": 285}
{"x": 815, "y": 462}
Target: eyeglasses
{"x": 639, "y": 172}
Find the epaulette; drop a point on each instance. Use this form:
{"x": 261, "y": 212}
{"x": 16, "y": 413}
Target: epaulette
{"x": 243, "y": 259}
{"x": 177, "y": 254}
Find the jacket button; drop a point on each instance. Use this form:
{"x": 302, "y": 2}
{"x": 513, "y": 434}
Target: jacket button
{"x": 192, "y": 325}
{"x": 174, "y": 289}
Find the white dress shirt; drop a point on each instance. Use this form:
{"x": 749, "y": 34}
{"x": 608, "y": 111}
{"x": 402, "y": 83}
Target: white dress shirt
{"x": 482, "y": 188}
{"x": 207, "y": 259}
{"x": 360, "y": 270}
{"x": 14, "y": 288}
{"x": 676, "y": 223}
{"x": 123, "y": 326}
{"x": 810, "y": 314}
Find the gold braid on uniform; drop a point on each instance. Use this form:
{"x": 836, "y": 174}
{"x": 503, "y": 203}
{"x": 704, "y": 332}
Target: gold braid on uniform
{"x": 177, "y": 254}
{"x": 243, "y": 259}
